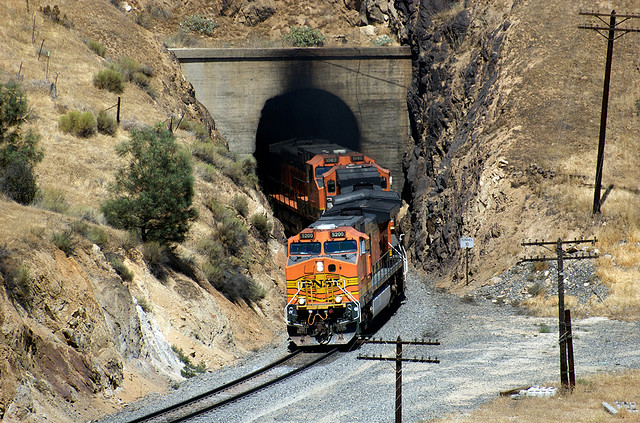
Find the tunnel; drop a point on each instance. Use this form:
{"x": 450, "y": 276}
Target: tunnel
{"x": 304, "y": 113}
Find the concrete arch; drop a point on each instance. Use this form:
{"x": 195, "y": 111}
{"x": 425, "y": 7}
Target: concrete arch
{"x": 306, "y": 113}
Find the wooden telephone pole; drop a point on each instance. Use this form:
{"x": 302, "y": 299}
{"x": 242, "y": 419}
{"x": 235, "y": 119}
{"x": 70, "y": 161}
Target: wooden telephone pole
{"x": 567, "y": 373}
{"x": 611, "y": 29}
{"x": 399, "y": 359}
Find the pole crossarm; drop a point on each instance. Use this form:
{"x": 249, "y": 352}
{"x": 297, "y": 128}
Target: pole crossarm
{"x": 574, "y": 242}
{"x": 412, "y": 360}
{"x": 574, "y": 257}
{"x": 600, "y": 14}
{"x": 414, "y": 342}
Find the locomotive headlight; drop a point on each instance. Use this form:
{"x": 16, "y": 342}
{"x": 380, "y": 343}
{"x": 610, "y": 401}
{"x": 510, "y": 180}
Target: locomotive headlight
{"x": 320, "y": 266}
{"x": 301, "y": 301}
{"x": 338, "y": 299}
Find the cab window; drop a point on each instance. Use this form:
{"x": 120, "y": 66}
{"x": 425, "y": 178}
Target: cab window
{"x": 331, "y": 186}
{"x": 304, "y": 248}
{"x": 341, "y": 247}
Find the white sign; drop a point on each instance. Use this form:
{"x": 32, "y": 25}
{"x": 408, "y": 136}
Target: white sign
{"x": 466, "y": 242}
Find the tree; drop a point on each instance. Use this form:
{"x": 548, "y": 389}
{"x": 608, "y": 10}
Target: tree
{"x": 18, "y": 154}
{"x": 152, "y": 195}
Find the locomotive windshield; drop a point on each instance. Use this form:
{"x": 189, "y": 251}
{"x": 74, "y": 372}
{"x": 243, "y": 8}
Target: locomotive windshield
{"x": 340, "y": 247}
{"x": 304, "y": 248}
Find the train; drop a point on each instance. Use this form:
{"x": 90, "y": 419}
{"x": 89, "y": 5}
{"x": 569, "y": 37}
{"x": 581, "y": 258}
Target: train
{"x": 347, "y": 264}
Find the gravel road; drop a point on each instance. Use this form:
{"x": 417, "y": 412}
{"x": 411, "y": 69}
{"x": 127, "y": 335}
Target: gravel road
{"x": 485, "y": 348}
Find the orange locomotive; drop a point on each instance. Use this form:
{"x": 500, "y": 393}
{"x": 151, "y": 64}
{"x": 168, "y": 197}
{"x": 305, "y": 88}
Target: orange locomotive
{"x": 344, "y": 269}
{"x": 307, "y": 174}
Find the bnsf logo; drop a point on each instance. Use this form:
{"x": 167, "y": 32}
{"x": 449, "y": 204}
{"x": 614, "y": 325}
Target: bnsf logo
{"x": 320, "y": 284}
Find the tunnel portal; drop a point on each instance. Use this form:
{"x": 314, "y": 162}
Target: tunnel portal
{"x": 305, "y": 113}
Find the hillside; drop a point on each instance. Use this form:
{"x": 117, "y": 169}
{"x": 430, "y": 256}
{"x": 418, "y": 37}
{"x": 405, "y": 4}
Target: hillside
{"x": 504, "y": 107}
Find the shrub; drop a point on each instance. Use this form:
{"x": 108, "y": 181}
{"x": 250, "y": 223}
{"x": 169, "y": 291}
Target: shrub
{"x": 198, "y": 129}
{"x": 544, "y": 328}
{"x": 64, "y": 241}
{"x": 121, "y": 269}
{"x": 381, "y": 41}
{"x": 199, "y": 24}
{"x": 110, "y": 80}
{"x": 96, "y": 47}
{"x": 140, "y": 79}
{"x": 231, "y": 282}
{"x": 144, "y": 304}
{"x": 106, "y": 124}
{"x": 231, "y": 234}
{"x": 81, "y": 124}
{"x": 155, "y": 255}
{"x": 303, "y": 36}
{"x": 19, "y": 286}
{"x": 18, "y": 181}
{"x": 189, "y": 370}
{"x": 262, "y": 225}
{"x": 52, "y": 199}
{"x": 241, "y": 204}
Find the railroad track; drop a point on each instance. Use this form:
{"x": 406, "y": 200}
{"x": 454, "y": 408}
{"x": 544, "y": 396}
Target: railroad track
{"x": 287, "y": 366}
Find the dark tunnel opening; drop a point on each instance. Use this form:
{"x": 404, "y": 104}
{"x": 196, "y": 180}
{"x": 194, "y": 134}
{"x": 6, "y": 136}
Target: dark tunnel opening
{"x": 304, "y": 113}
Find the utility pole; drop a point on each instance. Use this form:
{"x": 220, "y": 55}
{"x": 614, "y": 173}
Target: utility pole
{"x": 567, "y": 373}
{"x": 399, "y": 359}
{"x": 611, "y": 30}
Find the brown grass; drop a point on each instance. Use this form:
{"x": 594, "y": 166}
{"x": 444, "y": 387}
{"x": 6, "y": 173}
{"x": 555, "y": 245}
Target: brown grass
{"x": 583, "y": 405}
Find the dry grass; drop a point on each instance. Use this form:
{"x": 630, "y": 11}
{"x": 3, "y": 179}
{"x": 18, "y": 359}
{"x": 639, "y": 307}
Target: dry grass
{"x": 583, "y": 405}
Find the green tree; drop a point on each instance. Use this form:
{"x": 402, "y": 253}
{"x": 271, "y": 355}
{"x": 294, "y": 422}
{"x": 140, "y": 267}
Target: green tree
{"x": 18, "y": 153}
{"x": 152, "y": 195}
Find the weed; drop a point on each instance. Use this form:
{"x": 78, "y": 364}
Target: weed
{"x": 96, "y": 47}
{"x": 199, "y": 24}
{"x": 304, "y": 36}
{"x": 118, "y": 265}
{"x": 382, "y": 41}
{"x": 155, "y": 255}
{"x": 18, "y": 181}
{"x": 544, "y": 328}
{"x": 56, "y": 16}
{"x": 110, "y": 80}
{"x": 64, "y": 241}
{"x": 232, "y": 234}
{"x": 262, "y": 224}
{"x": 81, "y": 124}
{"x": 537, "y": 289}
{"x": 19, "y": 286}
{"x": 189, "y": 370}
{"x": 52, "y": 199}
{"x": 144, "y": 304}
{"x": 106, "y": 124}
{"x": 241, "y": 205}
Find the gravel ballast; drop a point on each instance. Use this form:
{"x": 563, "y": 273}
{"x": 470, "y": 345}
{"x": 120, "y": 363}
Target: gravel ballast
{"x": 485, "y": 348}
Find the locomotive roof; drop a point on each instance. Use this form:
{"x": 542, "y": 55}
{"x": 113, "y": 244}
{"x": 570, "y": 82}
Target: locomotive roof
{"x": 381, "y": 205}
{"x": 309, "y": 146}
{"x": 351, "y": 176}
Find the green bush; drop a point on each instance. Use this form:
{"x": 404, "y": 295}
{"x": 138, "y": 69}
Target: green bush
{"x": 189, "y": 370}
{"x": 232, "y": 234}
{"x": 64, "y": 241}
{"x": 106, "y": 124}
{"x": 96, "y": 47}
{"x": 225, "y": 275}
{"x": 199, "y": 24}
{"x": 110, "y": 80}
{"x": 118, "y": 265}
{"x": 81, "y": 124}
{"x": 241, "y": 204}
{"x": 19, "y": 286}
{"x": 382, "y": 41}
{"x": 18, "y": 181}
{"x": 303, "y": 36}
{"x": 262, "y": 224}
{"x": 140, "y": 79}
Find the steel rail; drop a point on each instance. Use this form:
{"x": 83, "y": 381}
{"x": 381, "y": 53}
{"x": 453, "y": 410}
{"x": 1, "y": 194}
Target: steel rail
{"x": 256, "y": 388}
{"x": 214, "y": 391}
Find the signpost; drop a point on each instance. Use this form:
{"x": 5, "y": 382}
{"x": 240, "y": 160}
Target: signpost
{"x": 466, "y": 242}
